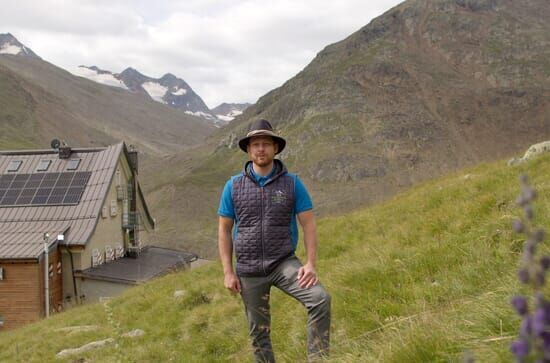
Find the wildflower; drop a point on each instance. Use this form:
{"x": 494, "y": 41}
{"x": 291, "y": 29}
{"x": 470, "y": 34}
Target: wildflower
{"x": 520, "y": 348}
{"x": 528, "y": 212}
{"x": 529, "y": 194}
{"x": 523, "y": 275}
{"x": 526, "y": 327}
{"x": 534, "y": 333}
{"x": 517, "y": 226}
{"x": 523, "y": 179}
{"x": 520, "y": 303}
{"x": 539, "y": 322}
{"x": 539, "y": 235}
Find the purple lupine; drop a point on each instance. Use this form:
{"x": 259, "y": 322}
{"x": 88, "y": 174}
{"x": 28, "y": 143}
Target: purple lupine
{"x": 534, "y": 333}
{"x": 539, "y": 322}
{"x": 523, "y": 275}
{"x": 520, "y": 303}
{"x": 520, "y": 348}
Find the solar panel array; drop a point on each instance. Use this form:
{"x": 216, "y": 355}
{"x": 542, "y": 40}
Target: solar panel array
{"x": 42, "y": 188}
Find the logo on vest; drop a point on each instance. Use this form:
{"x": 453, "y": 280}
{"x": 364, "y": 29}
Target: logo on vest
{"x": 278, "y": 197}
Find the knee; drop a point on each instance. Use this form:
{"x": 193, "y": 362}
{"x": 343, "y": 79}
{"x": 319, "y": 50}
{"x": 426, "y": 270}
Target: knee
{"x": 320, "y": 297}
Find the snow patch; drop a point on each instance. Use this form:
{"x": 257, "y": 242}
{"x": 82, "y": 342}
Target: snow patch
{"x": 180, "y": 92}
{"x": 10, "y": 49}
{"x": 106, "y": 78}
{"x": 201, "y": 114}
{"x": 234, "y": 113}
{"x": 155, "y": 90}
{"x": 225, "y": 118}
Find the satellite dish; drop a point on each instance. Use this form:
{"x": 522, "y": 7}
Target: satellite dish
{"x": 55, "y": 144}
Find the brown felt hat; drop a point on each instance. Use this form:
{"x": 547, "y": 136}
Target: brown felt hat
{"x": 261, "y": 128}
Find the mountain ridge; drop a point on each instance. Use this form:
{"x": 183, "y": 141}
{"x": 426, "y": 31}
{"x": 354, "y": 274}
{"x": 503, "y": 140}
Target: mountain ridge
{"x": 423, "y": 89}
{"x": 55, "y": 103}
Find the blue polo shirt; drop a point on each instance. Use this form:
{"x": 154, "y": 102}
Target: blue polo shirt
{"x": 302, "y": 201}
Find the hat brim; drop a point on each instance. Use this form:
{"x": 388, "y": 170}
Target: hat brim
{"x": 243, "y": 143}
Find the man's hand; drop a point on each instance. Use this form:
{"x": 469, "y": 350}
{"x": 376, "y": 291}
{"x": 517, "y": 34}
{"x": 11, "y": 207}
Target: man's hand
{"x": 232, "y": 283}
{"x": 307, "y": 277}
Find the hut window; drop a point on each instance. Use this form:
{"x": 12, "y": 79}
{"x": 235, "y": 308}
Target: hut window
{"x": 1, "y": 273}
{"x": 14, "y": 165}
{"x": 73, "y": 164}
{"x": 43, "y": 165}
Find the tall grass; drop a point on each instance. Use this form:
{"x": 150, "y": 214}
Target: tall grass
{"x": 423, "y": 277}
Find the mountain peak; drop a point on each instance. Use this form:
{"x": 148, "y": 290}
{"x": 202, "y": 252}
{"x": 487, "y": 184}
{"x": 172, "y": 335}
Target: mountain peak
{"x": 10, "y": 45}
{"x": 130, "y": 72}
{"x": 169, "y": 76}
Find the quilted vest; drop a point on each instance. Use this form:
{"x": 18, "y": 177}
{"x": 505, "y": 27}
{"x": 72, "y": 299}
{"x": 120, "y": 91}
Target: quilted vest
{"x": 264, "y": 215}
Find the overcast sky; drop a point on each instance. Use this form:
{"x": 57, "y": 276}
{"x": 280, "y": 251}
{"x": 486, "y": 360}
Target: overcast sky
{"x": 226, "y": 50}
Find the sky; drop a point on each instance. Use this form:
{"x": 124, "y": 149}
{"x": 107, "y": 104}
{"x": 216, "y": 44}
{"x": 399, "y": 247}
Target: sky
{"x": 226, "y": 50}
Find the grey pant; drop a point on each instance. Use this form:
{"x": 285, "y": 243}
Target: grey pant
{"x": 255, "y": 294}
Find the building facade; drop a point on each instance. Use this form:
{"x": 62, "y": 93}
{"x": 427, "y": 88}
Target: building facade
{"x": 64, "y": 211}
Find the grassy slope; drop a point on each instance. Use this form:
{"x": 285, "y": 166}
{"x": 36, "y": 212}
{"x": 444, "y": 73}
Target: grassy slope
{"x": 422, "y": 277}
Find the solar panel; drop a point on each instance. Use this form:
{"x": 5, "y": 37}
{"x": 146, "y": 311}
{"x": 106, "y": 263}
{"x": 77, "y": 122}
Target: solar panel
{"x": 55, "y": 199}
{"x": 5, "y": 180}
{"x": 43, "y": 188}
{"x": 71, "y": 199}
{"x": 39, "y": 199}
{"x": 23, "y": 199}
{"x": 8, "y": 201}
{"x": 28, "y": 192}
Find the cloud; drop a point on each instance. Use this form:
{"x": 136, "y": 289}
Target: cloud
{"x": 227, "y": 50}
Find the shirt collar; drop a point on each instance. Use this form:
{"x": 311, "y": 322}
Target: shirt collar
{"x": 261, "y": 179}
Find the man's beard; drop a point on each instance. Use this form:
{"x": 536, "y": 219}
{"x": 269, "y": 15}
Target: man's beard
{"x": 262, "y": 162}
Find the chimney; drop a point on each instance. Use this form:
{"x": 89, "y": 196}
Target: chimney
{"x": 133, "y": 158}
{"x": 62, "y": 148}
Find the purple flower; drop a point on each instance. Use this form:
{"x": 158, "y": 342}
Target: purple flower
{"x": 529, "y": 248}
{"x": 523, "y": 275}
{"x": 539, "y": 235}
{"x": 540, "y": 278}
{"x": 529, "y": 193}
{"x": 520, "y": 304}
{"x": 523, "y": 179}
{"x": 539, "y": 322}
{"x": 526, "y": 327}
{"x": 528, "y": 212}
{"x": 521, "y": 201}
{"x": 517, "y": 226}
{"x": 545, "y": 262}
{"x": 545, "y": 336}
{"x": 520, "y": 348}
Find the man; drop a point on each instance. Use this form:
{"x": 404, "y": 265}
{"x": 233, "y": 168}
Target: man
{"x": 262, "y": 203}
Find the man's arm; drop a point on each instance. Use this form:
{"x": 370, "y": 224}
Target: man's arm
{"x": 307, "y": 276}
{"x": 225, "y": 247}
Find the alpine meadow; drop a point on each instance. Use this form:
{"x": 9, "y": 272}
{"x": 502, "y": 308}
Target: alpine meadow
{"x": 426, "y": 276}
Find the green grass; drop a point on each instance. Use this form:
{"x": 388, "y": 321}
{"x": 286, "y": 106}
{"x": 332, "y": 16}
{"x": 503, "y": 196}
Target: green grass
{"x": 19, "y": 127}
{"x": 423, "y": 277}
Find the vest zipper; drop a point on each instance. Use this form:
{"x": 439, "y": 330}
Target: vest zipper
{"x": 262, "y": 229}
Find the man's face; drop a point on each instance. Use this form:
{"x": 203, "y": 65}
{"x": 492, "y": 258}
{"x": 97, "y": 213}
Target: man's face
{"x": 262, "y": 150}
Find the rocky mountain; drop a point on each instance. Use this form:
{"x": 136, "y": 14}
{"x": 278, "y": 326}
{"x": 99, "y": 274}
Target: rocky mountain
{"x": 427, "y": 88}
{"x": 169, "y": 89}
{"x": 10, "y": 45}
{"x": 228, "y": 111}
{"x": 39, "y": 101}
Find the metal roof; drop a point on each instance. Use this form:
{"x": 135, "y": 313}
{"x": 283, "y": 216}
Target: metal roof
{"x": 22, "y": 227}
{"x": 151, "y": 262}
